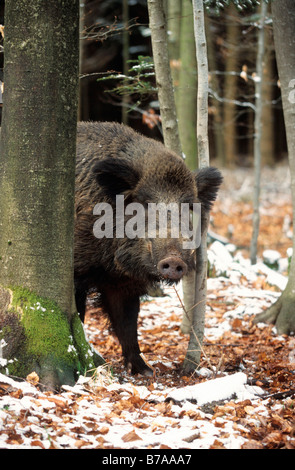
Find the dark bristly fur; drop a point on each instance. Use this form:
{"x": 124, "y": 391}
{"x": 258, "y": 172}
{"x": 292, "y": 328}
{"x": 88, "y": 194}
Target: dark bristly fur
{"x": 113, "y": 159}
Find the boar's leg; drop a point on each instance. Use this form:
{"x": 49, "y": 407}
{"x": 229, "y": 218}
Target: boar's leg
{"x": 123, "y": 313}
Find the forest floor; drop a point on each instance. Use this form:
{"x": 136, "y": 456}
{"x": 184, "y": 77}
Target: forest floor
{"x": 243, "y": 394}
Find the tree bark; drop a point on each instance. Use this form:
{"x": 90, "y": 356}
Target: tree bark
{"x": 186, "y": 106}
{"x": 194, "y": 350}
{"x": 282, "y": 313}
{"x": 174, "y": 26}
{"x": 39, "y": 327}
{"x": 268, "y": 138}
{"x": 258, "y": 131}
{"x": 164, "y": 83}
{"x": 217, "y": 121}
{"x": 229, "y": 116}
{"x": 172, "y": 141}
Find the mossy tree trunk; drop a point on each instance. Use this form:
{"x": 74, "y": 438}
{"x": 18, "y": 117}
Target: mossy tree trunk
{"x": 282, "y": 313}
{"x": 40, "y": 330}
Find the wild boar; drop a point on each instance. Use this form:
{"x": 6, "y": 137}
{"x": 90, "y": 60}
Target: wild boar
{"x": 117, "y": 168}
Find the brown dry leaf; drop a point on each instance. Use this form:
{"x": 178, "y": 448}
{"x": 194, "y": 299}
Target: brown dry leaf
{"x": 217, "y": 445}
{"x": 141, "y": 425}
{"x": 104, "y": 430}
{"x": 33, "y": 378}
{"x": 37, "y": 443}
{"x": 131, "y": 436}
{"x": 249, "y": 410}
{"x": 58, "y": 402}
{"x": 150, "y": 118}
{"x": 274, "y": 439}
{"x": 81, "y": 443}
{"x": 237, "y": 323}
{"x": 16, "y": 393}
{"x": 251, "y": 444}
{"x": 14, "y": 438}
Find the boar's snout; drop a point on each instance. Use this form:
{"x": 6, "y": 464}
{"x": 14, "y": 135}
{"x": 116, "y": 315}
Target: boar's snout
{"x": 172, "y": 268}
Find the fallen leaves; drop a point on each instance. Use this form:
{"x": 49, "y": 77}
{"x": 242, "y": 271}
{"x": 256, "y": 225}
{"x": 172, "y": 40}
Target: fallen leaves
{"x": 100, "y": 414}
{"x": 130, "y": 436}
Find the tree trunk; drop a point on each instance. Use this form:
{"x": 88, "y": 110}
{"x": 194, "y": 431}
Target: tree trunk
{"x": 229, "y": 116}
{"x": 217, "y": 105}
{"x": 282, "y": 313}
{"x": 193, "y": 354}
{"x": 171, "y": 139}
{"x": 125, "y": 56}
{"x": 164, "y": 83}
{"x": 39, "y": 328}
{"x": 268, "y": 138}
{"x": 174, "y": 25}
{"x": 186, "y": 105}
{"x": 258, "y": 132}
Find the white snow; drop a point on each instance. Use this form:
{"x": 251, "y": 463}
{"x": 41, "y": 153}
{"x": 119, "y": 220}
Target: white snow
{"x": 77, "y": 417}
{"x": 222, "y": 388}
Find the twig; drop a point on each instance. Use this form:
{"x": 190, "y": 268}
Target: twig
{"x": 196, "y": 337}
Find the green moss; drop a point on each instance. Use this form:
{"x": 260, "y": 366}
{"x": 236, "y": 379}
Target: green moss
{"x": 50, "y": 345}
{"x": 46, "y": 326}
{"x": 90, "y": 357}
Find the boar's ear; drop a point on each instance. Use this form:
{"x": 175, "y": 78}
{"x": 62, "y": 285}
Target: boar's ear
{"x": 208, "y": 181}
{"x": 115, "y": 176}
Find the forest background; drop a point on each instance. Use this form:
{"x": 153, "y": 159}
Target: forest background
{"x": 113, "y": 39}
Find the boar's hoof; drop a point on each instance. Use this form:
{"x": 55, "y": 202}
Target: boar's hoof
{"x": 172, "y": 268}
{"x": 138, "y": 366}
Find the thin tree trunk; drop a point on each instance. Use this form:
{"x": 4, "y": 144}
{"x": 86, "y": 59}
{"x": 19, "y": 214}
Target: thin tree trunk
{"x": 158, "y": 28}
{"x": 174, "y": 25}
{"x": 258, "y": 132}
{"x": 171, "y": 139}
{"x": 39, "y": 327}
{"x": 268, "y": 138}
{"x": 125, "y": 55}
{"x": 229, "y": 117}
{"x": 193, "y": 354}
{"x": 282, "y": 313}
{"x": 218, "y": 130}
{"x": 186, "y": 105}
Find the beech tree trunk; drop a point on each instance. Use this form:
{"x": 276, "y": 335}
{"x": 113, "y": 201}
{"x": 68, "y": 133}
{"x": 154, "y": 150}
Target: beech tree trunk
{"x": 258, "y": 131}
{"x": 193, "y": 354}
{"x": 39, "y": 328}
{"x": 172, "y": 141}
{"x": 186, "y": 106}
{"x": 164, "y": 83}
{"x": 230, "y": 111}
{"x": 282, "y": 313}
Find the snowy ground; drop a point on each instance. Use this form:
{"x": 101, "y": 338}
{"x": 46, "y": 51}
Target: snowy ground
{"x": 109, "y": 413}
{"x": 241, "y": 397}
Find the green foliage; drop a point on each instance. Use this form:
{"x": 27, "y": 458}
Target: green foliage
{"x": 140, "y": 78}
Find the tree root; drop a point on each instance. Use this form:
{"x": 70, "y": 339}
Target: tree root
{"x": 281, "y": 313}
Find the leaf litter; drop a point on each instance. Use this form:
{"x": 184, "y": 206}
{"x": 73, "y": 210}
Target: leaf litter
{"x": 242, "y": 396}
